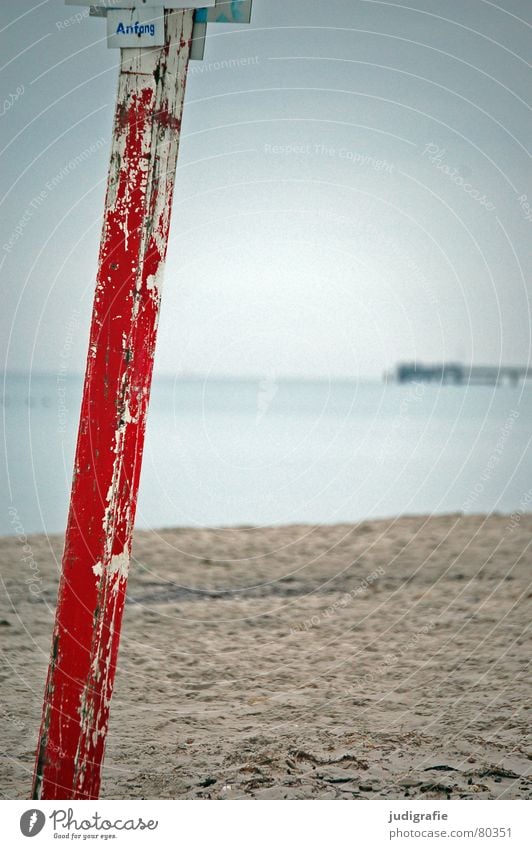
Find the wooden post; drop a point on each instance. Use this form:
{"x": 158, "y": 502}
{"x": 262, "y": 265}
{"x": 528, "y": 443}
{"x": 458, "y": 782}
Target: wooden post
{"x": 113, "y": 416}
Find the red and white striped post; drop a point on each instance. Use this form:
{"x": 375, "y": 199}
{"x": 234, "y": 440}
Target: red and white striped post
{"x": 113, "y": 415}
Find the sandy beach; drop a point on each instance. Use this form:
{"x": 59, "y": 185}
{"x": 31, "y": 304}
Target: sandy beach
{"x": 384, "y": 660}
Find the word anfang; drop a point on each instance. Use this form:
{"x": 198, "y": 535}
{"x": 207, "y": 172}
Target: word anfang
{"x": 135, "y": 29}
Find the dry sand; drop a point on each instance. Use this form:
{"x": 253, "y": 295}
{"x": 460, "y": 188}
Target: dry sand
{"x": 384, "y": 660}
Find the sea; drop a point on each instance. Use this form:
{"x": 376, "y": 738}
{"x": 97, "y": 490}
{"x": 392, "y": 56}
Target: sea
{"x": 226, "y": 452}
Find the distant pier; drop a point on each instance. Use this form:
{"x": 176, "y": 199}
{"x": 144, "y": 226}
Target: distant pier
{"x": 459, "y": 374}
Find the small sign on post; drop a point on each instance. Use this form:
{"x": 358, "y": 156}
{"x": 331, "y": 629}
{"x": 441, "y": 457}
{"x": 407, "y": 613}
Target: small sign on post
{"x": 137, "y": 4}
{"x": 227, "y": 12}
{"x": 222, "y": 12}
{"x": 206, "y": 11}
{"x": 136, "y": 27}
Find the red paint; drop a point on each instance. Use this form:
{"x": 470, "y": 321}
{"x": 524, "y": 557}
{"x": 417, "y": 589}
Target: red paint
{"x": 113, "y": 419}
{"x": 168, "y": 120}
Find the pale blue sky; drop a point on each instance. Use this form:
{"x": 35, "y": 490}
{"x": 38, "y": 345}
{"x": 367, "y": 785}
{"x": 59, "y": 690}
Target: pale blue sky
{"x": 315, "y": 232}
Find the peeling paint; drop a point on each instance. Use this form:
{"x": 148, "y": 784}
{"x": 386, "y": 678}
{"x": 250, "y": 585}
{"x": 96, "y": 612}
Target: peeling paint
{"x": 154, "y": 282}
{"x": 119, "y": 565}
